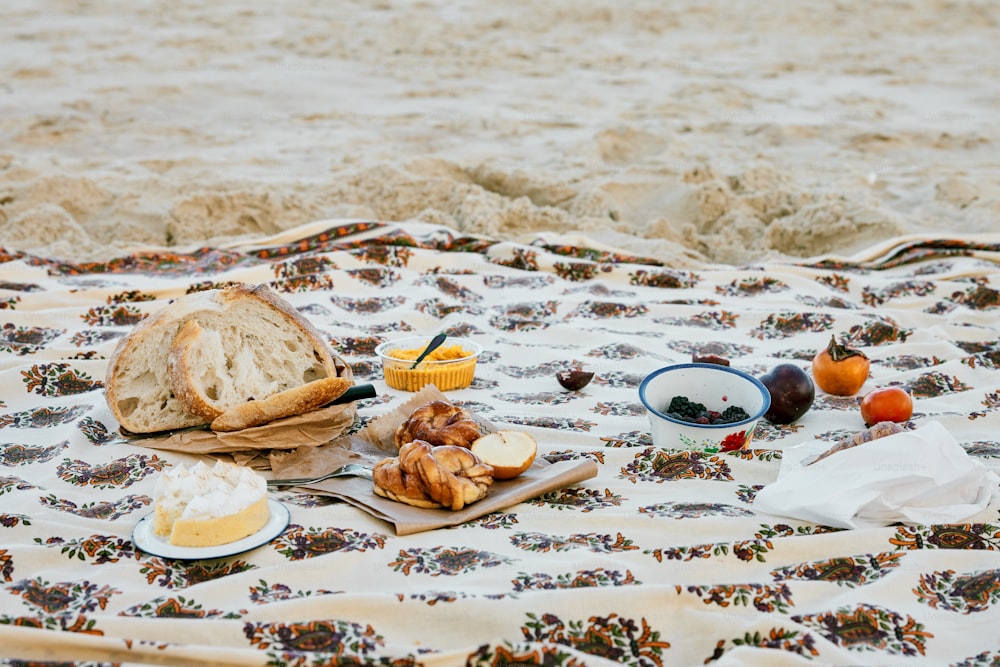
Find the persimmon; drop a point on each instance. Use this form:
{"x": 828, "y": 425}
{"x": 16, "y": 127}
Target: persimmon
{"x": 840, "y": 370}
{"x": 886, "y": 404}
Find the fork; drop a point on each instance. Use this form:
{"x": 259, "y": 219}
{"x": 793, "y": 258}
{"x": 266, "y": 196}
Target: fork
{"x": 348, "y": 470}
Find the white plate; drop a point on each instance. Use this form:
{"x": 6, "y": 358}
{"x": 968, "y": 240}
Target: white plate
{"x": 144, "y": 538}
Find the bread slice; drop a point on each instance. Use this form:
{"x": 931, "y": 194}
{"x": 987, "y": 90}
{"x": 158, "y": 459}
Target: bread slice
{"x": 294, "y": 401}
{"x": 209, "y": 351}
{"x": 198, "y": 380}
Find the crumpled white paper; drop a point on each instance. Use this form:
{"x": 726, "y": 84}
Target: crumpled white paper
{"x": 921, "y": 476}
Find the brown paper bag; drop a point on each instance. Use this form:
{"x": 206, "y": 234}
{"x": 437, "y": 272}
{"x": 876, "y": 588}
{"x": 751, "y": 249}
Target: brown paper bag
{"x": 311, "y": 429}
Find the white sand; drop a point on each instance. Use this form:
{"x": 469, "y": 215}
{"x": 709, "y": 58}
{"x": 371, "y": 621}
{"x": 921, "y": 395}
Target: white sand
{"x": 726, "y": 131}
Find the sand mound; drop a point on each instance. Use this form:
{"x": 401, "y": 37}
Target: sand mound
{"x": 671, "y": 129}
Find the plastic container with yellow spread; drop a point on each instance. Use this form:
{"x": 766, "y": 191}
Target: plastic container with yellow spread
{"x": 451, "y": 366}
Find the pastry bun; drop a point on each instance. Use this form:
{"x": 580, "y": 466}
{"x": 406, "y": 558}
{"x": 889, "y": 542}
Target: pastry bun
{"x": 438, "y": 423}
{"x": 422, "y": 475}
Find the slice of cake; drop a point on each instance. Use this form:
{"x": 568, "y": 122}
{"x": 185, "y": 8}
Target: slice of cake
{"x": 205, "y": 505}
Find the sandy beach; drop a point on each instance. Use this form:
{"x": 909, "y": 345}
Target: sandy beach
{"x": 738, "y": 142}
{"x": 718, "y": 132}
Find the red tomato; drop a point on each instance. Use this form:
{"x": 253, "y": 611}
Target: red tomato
{"x": 886, "y": 404}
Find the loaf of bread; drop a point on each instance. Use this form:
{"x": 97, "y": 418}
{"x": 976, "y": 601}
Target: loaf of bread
{"x": 209, "y": 352}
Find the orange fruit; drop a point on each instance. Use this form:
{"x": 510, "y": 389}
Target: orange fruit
{"x": 840, "y": 370}
{"x": 886, "y": 404}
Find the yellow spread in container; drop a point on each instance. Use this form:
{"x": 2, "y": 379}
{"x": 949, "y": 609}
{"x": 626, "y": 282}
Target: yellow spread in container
{"x": 454, "y": 368}
{"x": 441, "y": 354}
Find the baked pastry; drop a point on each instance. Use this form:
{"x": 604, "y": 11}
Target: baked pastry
{"x": 438, "y": 423}
{"x": 876, "y": 431}
{"x": 206, "y": 506}
{"x": 208, "y": 352}
{"x": 426, "y": 476}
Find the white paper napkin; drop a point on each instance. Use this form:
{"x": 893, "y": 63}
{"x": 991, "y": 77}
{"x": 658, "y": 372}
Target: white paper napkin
{"x": 921, "y": 476}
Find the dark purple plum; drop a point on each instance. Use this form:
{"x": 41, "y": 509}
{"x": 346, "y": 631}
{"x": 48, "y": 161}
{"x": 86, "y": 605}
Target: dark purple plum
{"x": 792, "y": 393}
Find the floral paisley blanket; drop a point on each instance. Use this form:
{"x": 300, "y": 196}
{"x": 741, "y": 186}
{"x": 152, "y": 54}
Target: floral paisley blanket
{"x": 659, "y": 559}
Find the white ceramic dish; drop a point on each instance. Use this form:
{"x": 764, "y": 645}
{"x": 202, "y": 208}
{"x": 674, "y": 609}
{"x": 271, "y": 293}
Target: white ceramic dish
{"x": 145, "y": 539}
{"x": 716, "y": 387}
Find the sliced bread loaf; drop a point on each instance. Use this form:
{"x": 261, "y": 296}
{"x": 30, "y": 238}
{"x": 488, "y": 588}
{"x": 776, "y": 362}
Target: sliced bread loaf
{"x": 207, "y": 352}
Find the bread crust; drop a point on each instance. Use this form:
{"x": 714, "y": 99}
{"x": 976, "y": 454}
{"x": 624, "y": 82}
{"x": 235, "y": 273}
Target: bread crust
{"x": 144, "y": 390}
{"x": 294, "y": 401}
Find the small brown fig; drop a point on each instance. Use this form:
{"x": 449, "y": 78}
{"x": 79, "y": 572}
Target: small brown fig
{"x": 574, "y": 380}
{"x": 709, "y": 359}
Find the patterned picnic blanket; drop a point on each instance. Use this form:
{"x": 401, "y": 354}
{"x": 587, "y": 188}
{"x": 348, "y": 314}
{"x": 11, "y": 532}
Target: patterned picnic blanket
{"x": 660, "y": 559}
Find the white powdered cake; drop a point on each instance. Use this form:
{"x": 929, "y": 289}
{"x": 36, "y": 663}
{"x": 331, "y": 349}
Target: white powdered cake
{"x": 206, "y": 506}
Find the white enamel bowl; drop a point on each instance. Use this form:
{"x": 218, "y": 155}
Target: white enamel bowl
{"x": 715, "y": 386}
